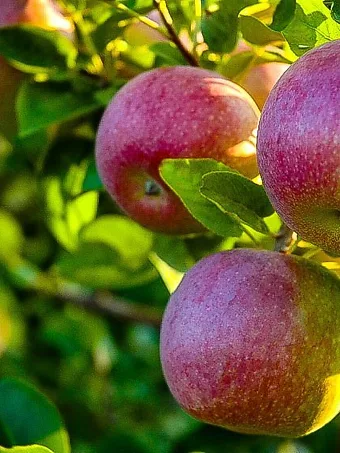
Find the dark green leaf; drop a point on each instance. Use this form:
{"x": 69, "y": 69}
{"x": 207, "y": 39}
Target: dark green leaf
{"x": 256, "y": 32}
{"x": 167, "y": 54}
{"x": 37, "y": 49}
{"x": 184, "y": 177}
{"x": 236, "y": 195}
{"x": 30, "y": 418}
{"x": 28, "y": 449}
{"x": 40, "y": 105}
{"x": 220, "y": 28}
{"x": 174, "y": 252}
{"x": 311, "y": 27}
{"x": 283, "y": 15}
{"x": 92, "y": 180}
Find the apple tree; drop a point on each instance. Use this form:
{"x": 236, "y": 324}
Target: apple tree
{"x": 170, "y": 226}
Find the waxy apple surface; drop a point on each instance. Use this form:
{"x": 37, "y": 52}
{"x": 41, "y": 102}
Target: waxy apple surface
{"x": 250, "y": 341}
{"x": 175, "y": 112}
{"x": 299, "y": 146}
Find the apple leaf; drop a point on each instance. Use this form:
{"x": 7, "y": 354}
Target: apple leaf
{"x": 37, "y": 49}
{"x": 35, "y": 113}
{"x": 311, "y": 27}
{"x": 335, "y": 11}
{"x": 184, "y": 177}
{"x": 167, "y": 54}
{"x": 92, "y": 180}
{"x": 256, "y": 32}
{"x": 173, "y": 251}
{"x": 113, "y": 252}
{"x": 28, "y": 417}
{"x": 283, "y": 15}
{"x": 238, "y": 196}
{"x": 67, "y": 208}
{"x": 27, "y": 449}
{"x": 220, "y": 28}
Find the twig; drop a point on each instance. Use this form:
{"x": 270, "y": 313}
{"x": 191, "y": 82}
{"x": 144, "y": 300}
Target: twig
{"x": 112, "y": 306}
{"x": 27, "y": 276}
{"x": 283, "y": 239}
{"x": 167, "y": 21}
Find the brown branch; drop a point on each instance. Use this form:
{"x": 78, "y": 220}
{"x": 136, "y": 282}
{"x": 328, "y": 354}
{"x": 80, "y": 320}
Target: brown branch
{"x": 31, "y": 278}
{"x": 283, "y": 239}
{"x": 173, "y": 35}
{"x": 112, "y": 306}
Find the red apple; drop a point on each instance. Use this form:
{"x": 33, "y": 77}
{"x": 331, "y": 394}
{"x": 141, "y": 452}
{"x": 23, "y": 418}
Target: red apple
{"x": 260, "y": 79}
{"x": 250, "y": 341}
{"x": 175, "y": 112}
{"x": 299, "y": 146}
{"x": 42, "y": 13}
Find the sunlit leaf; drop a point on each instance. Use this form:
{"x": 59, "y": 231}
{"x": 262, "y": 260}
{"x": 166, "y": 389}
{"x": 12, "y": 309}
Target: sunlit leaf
{"x": 184, "y": 176}
{"x": 311, "y": 27}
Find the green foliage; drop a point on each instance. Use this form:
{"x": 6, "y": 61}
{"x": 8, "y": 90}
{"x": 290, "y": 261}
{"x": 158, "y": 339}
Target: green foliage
{"x": 312, "y": 26}
{"x": 27, "y": 417}
{"x": 82, "y": 287}
{"x": 29, "y": 449}
{"x": 37, "y": 50}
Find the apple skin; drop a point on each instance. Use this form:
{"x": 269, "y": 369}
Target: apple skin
{"x": 175, "y": 112}
{"x": 41, "y": 13}
{"x": 299, "y": 147}
{"x": 250, "y": 341}
{"x": 260, "y": 79}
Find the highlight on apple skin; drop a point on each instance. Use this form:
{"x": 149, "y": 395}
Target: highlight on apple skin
{"x": 42, "y": 13}
{"x": 174, "y": 112}
{"x": 299, "y": 146}
{"x": 250, "y": 341}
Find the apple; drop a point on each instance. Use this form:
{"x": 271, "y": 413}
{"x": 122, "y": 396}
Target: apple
{"x": 250, "y": 341}
{"x": 41, "y": 13}
{"x": 299, "y": 146}
{"x": 260, "y": 79}
{"x": 174, "y": 112}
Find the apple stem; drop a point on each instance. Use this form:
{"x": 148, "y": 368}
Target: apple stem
{"x": 284, "y": 239}
{"x": 168, "y": 23}
{"x": 152, "y": 188}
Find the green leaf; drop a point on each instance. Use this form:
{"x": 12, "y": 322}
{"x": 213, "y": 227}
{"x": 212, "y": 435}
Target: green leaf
{"x": 37, "y": 49}
{"x": 220, "y": 28}
{"x": 28, "y": 449}
{"x": 256, "y": 32}
{"x": 311, "y": 27}
{"x": 283, "y": 15}
{"x": 113, "y": 253}
{"x": 167, "y": 54}
{"x": 92, "y": 180}
{"x": 184, "y": 177}
{"x": 67, "y": 208}
{"x": 174, "y": 252}
{"x": 335, "y": 10}
{"x": 238, "y": 196}
{"x": 12, "y": 238}
{"x": 29, "y": 417}
{"x": 40, "y": 105}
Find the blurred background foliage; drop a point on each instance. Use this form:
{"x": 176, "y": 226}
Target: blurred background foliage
{"x": 82, "y": 287}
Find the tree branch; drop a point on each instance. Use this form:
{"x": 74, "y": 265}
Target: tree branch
{"x": 167, "y": 21}
{"x": 29, "y": 277}
{"x": 283, "y": 239}
{"x": 112, "y": 306}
